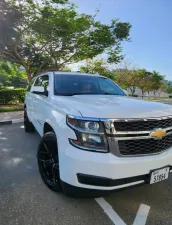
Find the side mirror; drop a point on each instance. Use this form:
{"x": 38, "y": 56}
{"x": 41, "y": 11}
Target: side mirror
{"x": 45, "y": 93}
{"x": 40, "y": 91}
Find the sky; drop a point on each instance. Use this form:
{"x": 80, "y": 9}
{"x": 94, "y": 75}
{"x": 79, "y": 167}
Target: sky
{"x": 151, "y": 32}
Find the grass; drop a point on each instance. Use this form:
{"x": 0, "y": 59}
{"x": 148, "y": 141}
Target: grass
{"x": 11, "y": 108}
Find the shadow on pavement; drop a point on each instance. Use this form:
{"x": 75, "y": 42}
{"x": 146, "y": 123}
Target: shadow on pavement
{"x": 17, "y": 154}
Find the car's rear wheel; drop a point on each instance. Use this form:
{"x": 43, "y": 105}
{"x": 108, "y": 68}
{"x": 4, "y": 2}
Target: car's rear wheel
{"x": 48, "y": 161}
{"x": 28, "y": 126}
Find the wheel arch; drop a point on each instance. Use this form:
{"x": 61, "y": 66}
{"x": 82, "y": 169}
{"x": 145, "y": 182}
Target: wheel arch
{"x": 48, "y": 128}
{"x": 51, "y": 125}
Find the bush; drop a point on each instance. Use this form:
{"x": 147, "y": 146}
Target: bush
{"x": 12, "y": 96}
{"x": 170, "y": 96}
{"x": 133, "y": 95}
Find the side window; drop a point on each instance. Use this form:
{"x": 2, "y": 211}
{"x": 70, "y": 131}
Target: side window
{"x": 41, "y": 83}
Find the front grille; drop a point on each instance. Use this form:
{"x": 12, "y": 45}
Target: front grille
{"x": 142, "y": 125}
{"x": 144, "y": 146}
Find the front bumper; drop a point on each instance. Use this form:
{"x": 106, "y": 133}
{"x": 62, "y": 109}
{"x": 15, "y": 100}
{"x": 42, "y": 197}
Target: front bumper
{"x": 113, "y": 172}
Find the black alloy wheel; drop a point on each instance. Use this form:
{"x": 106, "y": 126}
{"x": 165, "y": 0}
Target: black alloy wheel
{"x": 48, "y": 161}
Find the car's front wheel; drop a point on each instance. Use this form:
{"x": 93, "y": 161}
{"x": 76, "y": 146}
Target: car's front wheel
{"x": 48, "y": 161}
{"x": 28, "y": 126}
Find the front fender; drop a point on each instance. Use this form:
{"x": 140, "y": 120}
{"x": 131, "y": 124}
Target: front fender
{"x": 57, "y": 121}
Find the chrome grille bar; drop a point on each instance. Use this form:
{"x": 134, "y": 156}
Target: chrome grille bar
{"x": 115, "y": 136}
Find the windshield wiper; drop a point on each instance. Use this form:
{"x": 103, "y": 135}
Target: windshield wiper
{"x": 106, "y": 93}
{"x": 76, "y": 93}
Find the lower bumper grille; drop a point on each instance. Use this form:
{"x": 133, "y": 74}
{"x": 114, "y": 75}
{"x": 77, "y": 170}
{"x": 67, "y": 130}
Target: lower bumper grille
{"x": 107, "y": 182}
{"x": 144, "y": 146}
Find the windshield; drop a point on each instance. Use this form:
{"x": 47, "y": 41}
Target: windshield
{"x": 85, "y": 84}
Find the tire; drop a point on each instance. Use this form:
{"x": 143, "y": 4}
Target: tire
{"x": 28, "y": 126}
{"x": 48, "y": 161}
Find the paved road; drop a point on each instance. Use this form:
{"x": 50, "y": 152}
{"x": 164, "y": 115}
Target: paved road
{"x": 25, "y": 200}
{"x": 11, "y": 115}
{"x": 165, "y": 101}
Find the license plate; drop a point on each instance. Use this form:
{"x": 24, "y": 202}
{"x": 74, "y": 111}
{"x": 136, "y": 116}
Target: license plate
{"x": 159, "y": 175}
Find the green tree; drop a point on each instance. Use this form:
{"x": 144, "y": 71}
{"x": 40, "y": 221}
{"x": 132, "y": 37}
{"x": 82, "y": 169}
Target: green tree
{"x": 48, "y": 34}
{"x": 156, "y": 82}
{"x": 127, "y": 79}
{"x": 168, "y": 89}
{"x": 144, "y": 79}
{"x": 98, "y": 66}
{"x": 162, "y": 88}
{"x": 12, "y": 74}
{"x": 66, "y": 68}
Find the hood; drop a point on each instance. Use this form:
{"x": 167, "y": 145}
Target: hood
{"x": 109, "y": 106}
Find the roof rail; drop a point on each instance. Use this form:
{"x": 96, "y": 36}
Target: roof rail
{"x": 55, "y": 70}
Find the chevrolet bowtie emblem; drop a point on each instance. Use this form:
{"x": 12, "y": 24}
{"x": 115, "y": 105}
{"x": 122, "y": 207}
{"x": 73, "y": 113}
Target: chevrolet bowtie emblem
{"x": 158, "y": 134}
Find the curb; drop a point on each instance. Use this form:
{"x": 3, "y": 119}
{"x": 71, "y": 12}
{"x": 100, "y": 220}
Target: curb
{"x": 8, "y": 122}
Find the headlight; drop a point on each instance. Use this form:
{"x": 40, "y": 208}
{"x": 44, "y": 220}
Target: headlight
{"x": 90, "y": 125}
{"x": 90, "y": 134}
{"x": 83, "y": 125}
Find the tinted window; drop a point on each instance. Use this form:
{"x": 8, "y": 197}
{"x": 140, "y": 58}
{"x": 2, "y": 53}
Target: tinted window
{"x": 85, "y": 84}
{"x": 42, "y": 81}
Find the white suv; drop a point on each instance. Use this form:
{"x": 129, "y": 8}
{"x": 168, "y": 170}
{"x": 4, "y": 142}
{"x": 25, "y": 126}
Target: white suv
{"x": 94, "y": 137}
